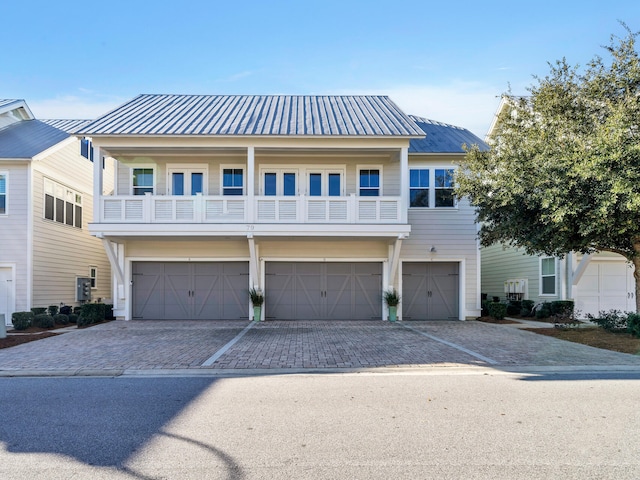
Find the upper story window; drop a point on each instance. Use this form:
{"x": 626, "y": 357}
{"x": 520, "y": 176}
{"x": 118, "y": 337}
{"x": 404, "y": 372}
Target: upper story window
{"x": 232, "y": 181}
{"x": 62, "y": 204}
{"x": 431, "y": 187}
{"x": 3, "y": 194}
{"x": 86, "y": 148}
{"x": 369, "y": 182}
{"x": 547, "y": 276}
{"x": 142, "y": 181}
{"x": 419, "y": 187}
{"x": 187, "y": 180}
{"x": 444, "y": 187}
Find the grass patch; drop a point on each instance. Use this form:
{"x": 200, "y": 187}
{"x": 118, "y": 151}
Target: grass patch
{"x": 594, "y": 337}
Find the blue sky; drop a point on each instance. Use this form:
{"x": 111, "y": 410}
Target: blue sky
{"x": 447, "y": 61}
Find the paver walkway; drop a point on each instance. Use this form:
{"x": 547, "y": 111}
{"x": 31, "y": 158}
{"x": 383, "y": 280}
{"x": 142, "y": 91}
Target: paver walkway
{"x": 291, "y": 345}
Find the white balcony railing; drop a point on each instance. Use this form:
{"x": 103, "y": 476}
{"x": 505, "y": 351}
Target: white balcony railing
{"x": 225, "y": 209}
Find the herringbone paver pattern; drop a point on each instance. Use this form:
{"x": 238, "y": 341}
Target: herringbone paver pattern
{"x": 173, "y": 345}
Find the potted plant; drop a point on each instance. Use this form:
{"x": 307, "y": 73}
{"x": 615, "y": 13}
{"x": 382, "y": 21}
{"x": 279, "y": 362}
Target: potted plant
{"x": 392, "y": 299}
{"x": 257, "y": 299}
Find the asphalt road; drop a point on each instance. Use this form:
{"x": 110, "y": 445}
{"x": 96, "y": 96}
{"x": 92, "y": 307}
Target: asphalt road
{"x": 423, "y": 424}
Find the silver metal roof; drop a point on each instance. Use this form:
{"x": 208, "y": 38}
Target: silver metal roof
{"x": 6, "y": 105}
{"x": 443, "y": 138}
{"x": 69, "y": 126}
{"x": 282, "y": 115}
{"x": 28, "y": 138}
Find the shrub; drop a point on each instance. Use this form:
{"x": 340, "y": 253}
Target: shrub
{"x": 612, "y": 321}
{"x": 77, "y": 310}
{"x": 66, "y": 310}
{"x": 514, "y": 307}
{"x": 73, "y": 318}
{"x": 108, "y": 312}
{"x": 61, "y": 319}
{"x": 485, "y": 308}
{"x": 527, "y": 308}
{"x": 633, "y": 324}
{"x": 497, "y": 310}
{"x": 562, "y": 307}
{"x": 39, "y": 310}
{"x": 43, "y": 320}
{"x": 83, "y": 321}
{"x": 92, "y": 313}
{"x": 53, "y": 310}
{"x": 21, "y": 320}
{"x": 543, "y": 311}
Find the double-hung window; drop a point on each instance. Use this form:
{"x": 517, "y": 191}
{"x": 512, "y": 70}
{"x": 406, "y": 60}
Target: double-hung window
{"x": 3, "y": 194}
{"x": 547, "y": 276}
{"x": 369, "y": 182}
{"x": 93, "y": 276}
{"x": 431, "y": 187}
{"x": 232, "y": 181}
{"x": 142, "y": 181}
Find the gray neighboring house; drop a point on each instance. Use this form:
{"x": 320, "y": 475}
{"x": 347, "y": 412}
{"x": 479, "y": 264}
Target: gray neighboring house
{"x": 321, "y": 202}
{"x": 45, "y": 206}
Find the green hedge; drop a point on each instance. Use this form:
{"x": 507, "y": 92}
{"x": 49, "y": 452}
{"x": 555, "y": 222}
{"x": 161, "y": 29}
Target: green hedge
{"x": 633, "y": 324}
{"x": 61, "y": 319}
{"x": 562, "y": 307}
{"x": 91, "y": 313}
{"x": 21, "y": 320}
{"x": 38, "y": 310}
{"x": 497, "y": 310}
{"x": 43, "y": 320}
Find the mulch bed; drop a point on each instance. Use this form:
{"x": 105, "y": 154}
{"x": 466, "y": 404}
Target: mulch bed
{"x": 18, "y": 337}
{"x": 493, "y": 320}
{"x": 595, "y": 337}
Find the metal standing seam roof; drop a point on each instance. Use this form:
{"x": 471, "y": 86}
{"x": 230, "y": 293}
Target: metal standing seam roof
{"x": 283, "y": 115}
{"x": 443, "y": 138}
{"x": 6, "y": 105}
{"x": 28, "y": 138}
{"x": 67, "y": 125}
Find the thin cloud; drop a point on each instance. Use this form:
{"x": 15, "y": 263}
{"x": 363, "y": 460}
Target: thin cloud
{"x": 464, "y": 104}
{"x": 73, "y": 107}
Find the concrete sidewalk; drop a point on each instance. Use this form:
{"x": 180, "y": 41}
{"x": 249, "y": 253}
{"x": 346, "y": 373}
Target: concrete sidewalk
{"x": 236, "y": 347}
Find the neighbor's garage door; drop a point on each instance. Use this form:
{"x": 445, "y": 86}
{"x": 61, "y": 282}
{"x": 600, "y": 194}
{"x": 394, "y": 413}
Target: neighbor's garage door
{"x": 430, "y": 291}
{"x": 312, "y": 290}
{"x": 181, "y": 290}
{"x": 606, "y": 285}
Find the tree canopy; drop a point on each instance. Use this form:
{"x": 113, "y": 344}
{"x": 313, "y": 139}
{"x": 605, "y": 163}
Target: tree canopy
{"x": 563, "y": 171}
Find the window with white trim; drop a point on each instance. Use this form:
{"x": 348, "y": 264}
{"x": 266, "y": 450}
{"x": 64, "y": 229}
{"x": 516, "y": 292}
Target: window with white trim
{"x": 548, "y": 276}
{"x": 62, "y": 204}
{"x": 3, "y": 194}
{"x": 282, "y": 182}
{"x": 233, "y": 181}
{"x": 93, "y": 276}
{"x": 369, "y": 182}
{"x": 142, "y": 180}
{"x": 431, "y": 187}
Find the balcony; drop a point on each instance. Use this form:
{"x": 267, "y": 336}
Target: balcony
{"x": 203, "y": 209}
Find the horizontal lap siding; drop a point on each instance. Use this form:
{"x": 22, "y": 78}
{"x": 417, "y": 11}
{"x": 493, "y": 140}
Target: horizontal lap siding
{"x": 187, "y": 249}
{"x": 13, "y": 227}
{"x": 501, "y": 264}
{"x": 61, "y": 252}
{"x": 453, "y": 233}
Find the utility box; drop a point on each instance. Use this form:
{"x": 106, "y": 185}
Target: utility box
{"x": 515, "y": 289}
{"x": 83, "y": 289}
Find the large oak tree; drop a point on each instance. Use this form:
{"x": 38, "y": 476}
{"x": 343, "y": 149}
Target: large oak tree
{"x": 563, "y": 171}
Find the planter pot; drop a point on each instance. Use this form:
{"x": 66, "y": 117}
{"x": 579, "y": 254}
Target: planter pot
{"x": 393, "y": 314}
{"x": 257, "y": 313}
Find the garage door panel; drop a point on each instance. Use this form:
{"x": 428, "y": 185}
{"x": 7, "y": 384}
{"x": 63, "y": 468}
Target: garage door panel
{"x": 606, "y": 285}
{"x": 183, "y": 290}
{"x": 430, "y": 290}
{"x": 331, "y": 290}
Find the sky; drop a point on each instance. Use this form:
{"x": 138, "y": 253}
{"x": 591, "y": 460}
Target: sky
{"x": 444, "y": 60}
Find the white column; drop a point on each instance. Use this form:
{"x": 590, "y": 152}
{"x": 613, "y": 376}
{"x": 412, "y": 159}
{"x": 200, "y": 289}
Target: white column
{"x": 97, "y": 184}
{"x": 404, "y": 183}
{"x": 251, "y": 169}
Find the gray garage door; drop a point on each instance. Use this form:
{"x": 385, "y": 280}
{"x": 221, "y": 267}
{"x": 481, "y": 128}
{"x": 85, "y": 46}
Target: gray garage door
{"x": 181, "y": 290}
{"x": 430, "y": 291}
{"x": 312, "y": 290}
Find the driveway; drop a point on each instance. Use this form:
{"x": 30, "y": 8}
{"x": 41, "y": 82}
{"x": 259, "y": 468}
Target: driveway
{"x": 289, "y": 346}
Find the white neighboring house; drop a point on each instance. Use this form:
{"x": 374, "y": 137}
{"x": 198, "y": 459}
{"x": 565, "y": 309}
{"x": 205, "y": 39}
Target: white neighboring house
{"x": 321, "y": 202}
{"x": 46, "y": 204}
{"x": 596, "y": 282}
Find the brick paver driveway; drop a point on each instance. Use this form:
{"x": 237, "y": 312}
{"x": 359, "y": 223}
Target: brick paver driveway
{"x": 225, "y": 346}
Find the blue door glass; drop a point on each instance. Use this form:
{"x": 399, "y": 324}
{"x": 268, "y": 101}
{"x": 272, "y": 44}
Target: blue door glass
{"x": 334, "y": 185}
{"x": 315, "y": 184}
{"x": 270, "y": 186}
{"x": 178, "y": 183}
{"x": 289, "y": 180}
{"x": 196, "y": 183}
